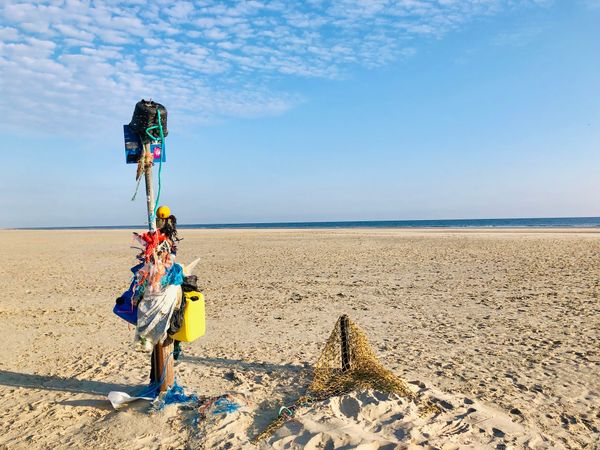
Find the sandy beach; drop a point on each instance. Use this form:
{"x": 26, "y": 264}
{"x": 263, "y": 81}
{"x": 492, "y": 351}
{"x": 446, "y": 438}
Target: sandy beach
{"x": 501, "y": 328}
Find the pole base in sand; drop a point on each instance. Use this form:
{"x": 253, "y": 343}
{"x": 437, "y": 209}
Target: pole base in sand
{"x": 163, "y": 364}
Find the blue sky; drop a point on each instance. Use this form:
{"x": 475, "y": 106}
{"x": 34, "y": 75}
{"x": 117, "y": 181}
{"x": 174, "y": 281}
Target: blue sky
{"x": 302, "y": 111}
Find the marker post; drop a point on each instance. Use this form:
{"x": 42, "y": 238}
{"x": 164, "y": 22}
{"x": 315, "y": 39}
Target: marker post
{"x": 162, "y": 361}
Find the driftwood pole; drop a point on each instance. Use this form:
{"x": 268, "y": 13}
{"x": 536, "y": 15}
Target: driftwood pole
{"x": 147, "y": 160}
{"x": 162, "y": 360}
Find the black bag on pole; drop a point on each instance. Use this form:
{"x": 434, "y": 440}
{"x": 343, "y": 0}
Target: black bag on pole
{"x": 145, "y": 116}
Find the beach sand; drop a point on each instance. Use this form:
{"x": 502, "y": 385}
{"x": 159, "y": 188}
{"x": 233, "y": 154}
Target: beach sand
{"x": 500, "y": 328}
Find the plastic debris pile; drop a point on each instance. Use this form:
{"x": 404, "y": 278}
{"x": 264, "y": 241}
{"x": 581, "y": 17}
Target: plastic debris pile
{"x": 157, "y": 292}
{"x": 158, "y": 258}
{"x": 204, "y": 408}
{"x": 175, "y": 395}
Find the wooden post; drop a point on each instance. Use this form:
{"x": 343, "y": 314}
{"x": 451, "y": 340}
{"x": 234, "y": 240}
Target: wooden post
{"x": 162, "y": 358}
{"x": 345, "y": 338}
{"x": 164, "y": 363}
{"x": 149, "y": 187}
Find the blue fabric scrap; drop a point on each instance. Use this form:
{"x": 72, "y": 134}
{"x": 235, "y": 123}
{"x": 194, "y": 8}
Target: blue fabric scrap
{"x": 173, "y": 276}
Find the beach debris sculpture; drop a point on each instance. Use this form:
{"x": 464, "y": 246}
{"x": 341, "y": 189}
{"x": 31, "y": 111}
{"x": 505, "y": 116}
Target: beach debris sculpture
{"x": 155, "y": 292}
{"x": 347, "y": 363}
{"x": 149, "y": 121}
{"x": 163, "y": 300}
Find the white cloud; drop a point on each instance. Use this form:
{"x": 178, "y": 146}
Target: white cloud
{"x": 180, "y": 10}
{"x": 80, "y": 64}
{"x": 9, "y": 34}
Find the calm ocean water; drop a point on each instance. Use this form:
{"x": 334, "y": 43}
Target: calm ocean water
{"x": 557, "y": 222}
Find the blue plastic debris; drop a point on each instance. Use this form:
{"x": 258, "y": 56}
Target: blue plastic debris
{"x": 124, "y": 307}
{"x": 174, "y": 395}
{"x": 174, "y": 276}
{"x": 225, "y": 406}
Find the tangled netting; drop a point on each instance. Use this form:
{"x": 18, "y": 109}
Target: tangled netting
{"x": 347, "y": 363}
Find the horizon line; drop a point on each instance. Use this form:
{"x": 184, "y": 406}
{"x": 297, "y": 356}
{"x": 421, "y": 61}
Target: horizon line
{"x": 288, "y": 224}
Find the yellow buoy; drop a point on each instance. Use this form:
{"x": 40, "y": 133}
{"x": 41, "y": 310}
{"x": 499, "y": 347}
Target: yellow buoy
{"x": 163, "y": 212}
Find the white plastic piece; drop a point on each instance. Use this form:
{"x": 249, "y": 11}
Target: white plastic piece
{"x": 119, "y": 399}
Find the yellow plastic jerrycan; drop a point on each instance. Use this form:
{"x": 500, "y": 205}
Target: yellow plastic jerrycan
{"x": 194, "y": 322}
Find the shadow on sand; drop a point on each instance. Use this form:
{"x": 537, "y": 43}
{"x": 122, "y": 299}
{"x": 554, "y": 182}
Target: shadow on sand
{"x": 54, "y": 383}
{"x": 243, "y": 365}
{"x": 267, "y": 410}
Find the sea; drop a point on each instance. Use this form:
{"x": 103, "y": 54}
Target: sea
{"x": 546, "y": 222}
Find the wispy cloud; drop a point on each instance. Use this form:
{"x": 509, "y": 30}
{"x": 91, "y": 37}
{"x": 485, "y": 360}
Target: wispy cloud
{"x": 518, "y": 38}
{"x": 77, "y": 63}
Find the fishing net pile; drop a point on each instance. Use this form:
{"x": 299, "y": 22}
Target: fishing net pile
{"x": 347, "y": 363}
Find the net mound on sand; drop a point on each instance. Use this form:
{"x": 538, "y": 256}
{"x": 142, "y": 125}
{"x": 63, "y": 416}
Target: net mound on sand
{"x": 347, "y": 363}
